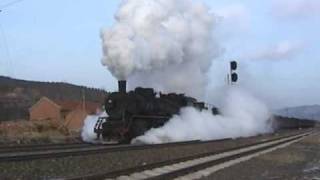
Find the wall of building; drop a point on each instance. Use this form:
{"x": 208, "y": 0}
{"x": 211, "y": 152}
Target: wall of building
{"x": 75, "y": 119}
{"x": 45, "y": 110}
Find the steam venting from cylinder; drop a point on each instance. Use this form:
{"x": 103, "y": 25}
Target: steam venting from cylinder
{"x": 122, "y": 85}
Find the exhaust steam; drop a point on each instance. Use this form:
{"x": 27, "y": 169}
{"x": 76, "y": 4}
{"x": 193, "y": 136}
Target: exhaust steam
{"x": 242, "y": 116}
{"x": 169, "y": 45}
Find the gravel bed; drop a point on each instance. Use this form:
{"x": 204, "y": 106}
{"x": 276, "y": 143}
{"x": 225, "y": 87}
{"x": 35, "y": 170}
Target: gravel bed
{"x": 299, "y": 161}
{"x": 106, "y": 162}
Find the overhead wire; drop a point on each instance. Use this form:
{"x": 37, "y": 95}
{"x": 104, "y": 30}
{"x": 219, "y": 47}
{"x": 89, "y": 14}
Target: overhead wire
{"x": 8, "y": 63}
{"x": 9, "y": 4}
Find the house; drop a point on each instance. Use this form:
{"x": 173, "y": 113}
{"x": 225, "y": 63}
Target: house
{"x": 70, "y": 114}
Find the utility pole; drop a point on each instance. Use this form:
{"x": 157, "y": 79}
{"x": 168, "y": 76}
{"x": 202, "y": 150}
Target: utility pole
{"x": 83, "y": 100}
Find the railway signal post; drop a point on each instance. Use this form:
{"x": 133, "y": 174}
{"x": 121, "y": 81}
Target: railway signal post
{"x": 233, "y": 76}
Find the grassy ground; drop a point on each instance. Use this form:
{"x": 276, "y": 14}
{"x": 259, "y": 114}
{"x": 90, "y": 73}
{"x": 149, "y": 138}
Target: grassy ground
{"x": 26, "y": 132}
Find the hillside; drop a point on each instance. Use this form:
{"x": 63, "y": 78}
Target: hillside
{"x": 304, "y": 112}
{"x": 17, "y": 96}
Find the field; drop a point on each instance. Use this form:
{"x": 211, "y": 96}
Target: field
{"x": 26, "y": 132}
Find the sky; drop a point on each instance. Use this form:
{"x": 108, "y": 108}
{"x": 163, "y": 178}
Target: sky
{"x": 276, "y": 43}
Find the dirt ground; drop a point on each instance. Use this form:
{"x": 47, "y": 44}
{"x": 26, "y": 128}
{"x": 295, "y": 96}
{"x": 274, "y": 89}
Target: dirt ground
{"x": 33, "y": 132}
{"x": 299, "y": 161}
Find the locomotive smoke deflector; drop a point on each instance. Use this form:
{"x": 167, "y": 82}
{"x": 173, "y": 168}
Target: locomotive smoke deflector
{"x": 122, "y": 85}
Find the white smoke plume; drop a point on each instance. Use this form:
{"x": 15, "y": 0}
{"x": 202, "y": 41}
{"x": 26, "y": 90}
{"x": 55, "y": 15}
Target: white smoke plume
{"x": 283, "y": 50}
{"x": 295, "y": 9}
{"x": 169, "y": 45}
{"x": 242, "y": 116}
{"x": 158, "y": 43}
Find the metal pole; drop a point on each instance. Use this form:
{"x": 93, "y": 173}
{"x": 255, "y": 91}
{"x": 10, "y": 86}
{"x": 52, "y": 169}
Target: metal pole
{"x": 228, "y": 79}
{"x": 230, "y": 75}
{"x": 83, "y": 101}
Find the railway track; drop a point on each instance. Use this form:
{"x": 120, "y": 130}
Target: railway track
{"x": 41, "y": 147}
{"x": 33, "y": 152}
{"x": 47, "y": 151}
{"x": 197, "y": 166}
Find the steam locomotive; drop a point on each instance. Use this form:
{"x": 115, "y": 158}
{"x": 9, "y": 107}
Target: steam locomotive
{"x": 131, "y": 114}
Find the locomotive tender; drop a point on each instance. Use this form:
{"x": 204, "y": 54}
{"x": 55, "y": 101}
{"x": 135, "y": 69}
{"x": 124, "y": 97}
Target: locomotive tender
{"x": 280, "y": 122}
{"x": 131, "y": 114}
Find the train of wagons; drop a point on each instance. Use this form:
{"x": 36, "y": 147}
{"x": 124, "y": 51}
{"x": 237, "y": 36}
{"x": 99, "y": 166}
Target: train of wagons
{"x": 131, "y": 114}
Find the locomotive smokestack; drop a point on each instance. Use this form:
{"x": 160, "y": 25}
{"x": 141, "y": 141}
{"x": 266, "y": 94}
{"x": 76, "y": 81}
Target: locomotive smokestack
{"x": 122, "y": 86}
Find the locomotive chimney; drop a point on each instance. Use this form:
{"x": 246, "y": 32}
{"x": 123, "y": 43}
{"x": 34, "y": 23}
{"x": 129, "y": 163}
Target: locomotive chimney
{"x": 122, "y": 86}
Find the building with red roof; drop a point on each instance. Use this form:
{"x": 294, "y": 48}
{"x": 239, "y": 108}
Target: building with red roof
{"x": 70, "y": 114}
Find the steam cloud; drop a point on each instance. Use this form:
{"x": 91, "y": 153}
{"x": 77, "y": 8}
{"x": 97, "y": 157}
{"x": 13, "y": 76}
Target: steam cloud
{"x": 169, "y": 45}
{"x": 295, "y": 9}
{"x": 158, "y": 43}
{"x": 242, "y": 116}
{"x": 281, "y": 51}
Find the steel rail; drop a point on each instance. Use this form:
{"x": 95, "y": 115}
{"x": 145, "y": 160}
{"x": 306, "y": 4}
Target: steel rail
{"x": 61, "y": 152}
{"x": 130, "y": 171}
{"x": 201, "y": 166}
{"x": 41, "y": 147}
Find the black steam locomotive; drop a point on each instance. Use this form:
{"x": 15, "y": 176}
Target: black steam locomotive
{"x": 131, "y": 114}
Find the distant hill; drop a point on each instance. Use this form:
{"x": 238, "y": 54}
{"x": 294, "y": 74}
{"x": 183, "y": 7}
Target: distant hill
{"x": 303, "y": 112}
{"x": 53, "y": 90}
{"x": 17, "y": 96}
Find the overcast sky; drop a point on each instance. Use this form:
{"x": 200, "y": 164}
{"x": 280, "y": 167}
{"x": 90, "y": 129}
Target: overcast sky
{"x": 275, "y": 41}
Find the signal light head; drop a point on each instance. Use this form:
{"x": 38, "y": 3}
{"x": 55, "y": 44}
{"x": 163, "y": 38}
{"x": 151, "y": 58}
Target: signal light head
{"x": 233, "y": 65}
{"x": 234, "y": 77}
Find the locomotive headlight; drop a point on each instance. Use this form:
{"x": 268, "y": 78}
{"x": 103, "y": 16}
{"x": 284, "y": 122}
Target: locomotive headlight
{"x": 110, "y": 103}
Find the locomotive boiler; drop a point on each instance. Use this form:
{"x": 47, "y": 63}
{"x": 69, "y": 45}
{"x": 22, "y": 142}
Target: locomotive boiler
{"x": 131, "y": 114}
